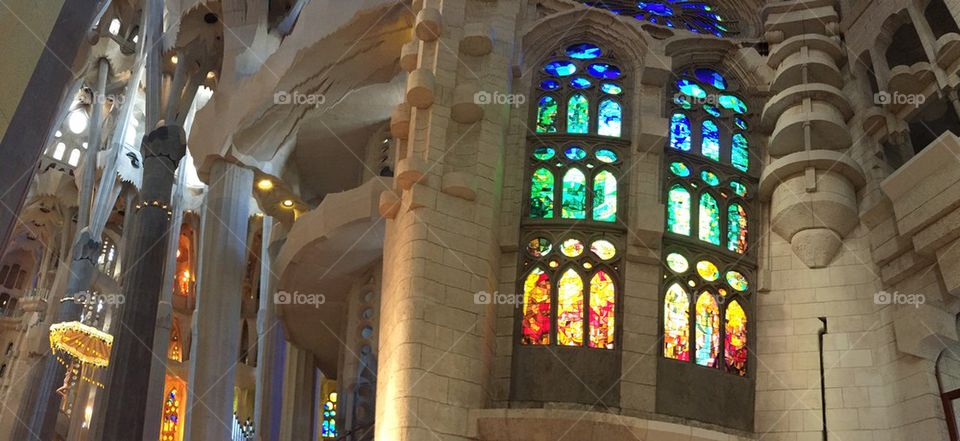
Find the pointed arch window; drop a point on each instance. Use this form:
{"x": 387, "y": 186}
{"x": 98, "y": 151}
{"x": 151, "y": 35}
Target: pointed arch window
{"x": 573, "y": 234}
{"x": 707, "y": 256}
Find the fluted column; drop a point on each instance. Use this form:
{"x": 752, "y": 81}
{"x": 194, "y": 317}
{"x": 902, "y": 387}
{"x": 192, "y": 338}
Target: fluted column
{"x": 299, "y": 389}
{"x": 132, "y": 351}
{"x": 217, "y": 318}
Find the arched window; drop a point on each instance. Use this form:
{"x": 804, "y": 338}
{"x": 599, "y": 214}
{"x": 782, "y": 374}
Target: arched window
{"x": 707, "y": 250}
{"x": 573, "y": 233}
{"x": 175, "y": 350}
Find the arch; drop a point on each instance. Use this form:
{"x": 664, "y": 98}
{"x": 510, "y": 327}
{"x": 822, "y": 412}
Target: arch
{"x": 708, "y": 330}
{"x": 678, "y": 210}
{"x": 536, "y": 308}
{"x": 605, "y": 196}
{"x": 905, "y": 47}
{"x": 940, "y": 19}
{"x": 735, "y": 338}
{"x": 574, "y": 198}
{"x": 603, "y": 295}
{"x": 570, "y": 308}
{"x": 541, "y": 193}
{"x": 676, "y": 323}
{"x": 175, "y": 348}
{"x": 709, "y": 219}
{"x": 736, "y": 228}
{"x": 609, "y": 118}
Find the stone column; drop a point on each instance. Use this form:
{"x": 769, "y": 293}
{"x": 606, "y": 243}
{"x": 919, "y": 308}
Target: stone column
{"x": 270, "y": 338}
{"x": 299, "y": 384}
{"x": 217, "y": 319}
{"x": 143, "y": 280}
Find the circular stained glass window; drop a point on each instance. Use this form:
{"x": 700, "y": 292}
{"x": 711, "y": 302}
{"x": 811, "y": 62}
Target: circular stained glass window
{"x": 580, "y": 83}
{"x": 680, "y": 169}
{"x": 584, "y": 51}
{"x": 737, "y": 281}
{"x": 690, "y": 88}
{"x": 732, "y": 103}
{"x": 539, "y": 247}
{"x": 707, "y": 270}
{"x": 544, "y": 153}
{"x": 677, "y": 263}
{"x": 604, "y": 71}
{"x": 560, "y": 68}
{"x": 549, "y": 84}
{"x": 606, "y": 156}
{"x": 611, "y": 88}
{"x": 711, "y": 77}
{"x": 571, "y": 248}
{"x": 575, "y": 153}
{"x": 603, "y": 249}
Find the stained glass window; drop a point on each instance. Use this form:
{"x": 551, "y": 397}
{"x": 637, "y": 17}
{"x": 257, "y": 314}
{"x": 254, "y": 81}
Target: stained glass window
{"x": 574, "y": 195}
{"x": 602, "y": 302}
{"x": 609, "y": 119}
{"x": 708, "y": 330}
{"x": 680, "y": 132}
{"x": 578, "y": 114}
{"x": 676, "y": 324}
{"x": 570, "y": 309}
{"x": 699, "y": 17}
{"x": 536, "y": 308}
{"x": 329, "y": 425}
{"x": 735, "y": 343}
{"x": 170, "y": 424}
{"x": 541, "y": 194}
{"x": 547, "y": 115}
{"x": 736, "y": 228}
{"x": 572, "y": 235}
{"x": 710, "y": 146}
{"x": 678, "y": 210}
{"x": 605, "y": 197}
{"x": 711, "y": 181}
{"x": 709, "y": 219}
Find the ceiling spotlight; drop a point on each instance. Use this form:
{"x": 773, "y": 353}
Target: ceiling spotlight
{"x": 265, "y": 184}
{"x": 211, "y": 75}
{"x": 287, "y": 203}
{"x": 58, "y": 134}
{"x": 174, "y": 59}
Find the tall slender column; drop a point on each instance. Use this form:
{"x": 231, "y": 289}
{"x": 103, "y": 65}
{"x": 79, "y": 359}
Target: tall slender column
{"x": 270, "y": 339}
{"x": 217, "y": 319}
{"x": 298, "y": 395}
{"x": 132, "y": 351}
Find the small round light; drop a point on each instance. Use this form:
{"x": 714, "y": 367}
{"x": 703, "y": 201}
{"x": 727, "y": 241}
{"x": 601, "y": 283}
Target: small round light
{"x": 77, "y": 121}
{"x": 265, "y": 184}
{"x": 287, "y": 203}
{"x": 174, "y": 59}
{"x": 211, "y": 75}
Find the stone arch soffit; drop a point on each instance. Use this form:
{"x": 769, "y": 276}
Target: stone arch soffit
{"x": 574, "y": 24}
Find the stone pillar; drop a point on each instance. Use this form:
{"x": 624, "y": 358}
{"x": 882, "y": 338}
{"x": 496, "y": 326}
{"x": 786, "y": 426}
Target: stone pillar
{"x": 217, "y": 318}
{"x": 441, "y": 245}
{"x": 270, "y": 338}
{"x": 299, "y": 386}
{"x": 39, "y": 412}
{"x": 810, "y": 182}
{"x": 143, "y": 280}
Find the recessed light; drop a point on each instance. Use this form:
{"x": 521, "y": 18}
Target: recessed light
{"x": 287, "y": 203}
{"x": 265, "y": 184}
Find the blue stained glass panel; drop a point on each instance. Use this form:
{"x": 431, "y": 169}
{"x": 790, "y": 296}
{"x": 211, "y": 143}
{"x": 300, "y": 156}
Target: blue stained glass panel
{"x": 584, "y": 51}
{"x": 604, "y": 71}
{"x": 610, "y": 118}
{"x": 574, "y": 200}
{"x": 712, "y": 110}
{"x": 549, "y": 84}
{"x": 560, "y": 68}
{"x": 656, "y": 8}
{"x": 690, "y": 88}
{"x": 580, "y": 83}
{"x": 710, "y": 146}
{"x": 711, "y": 77}
{"x": 740, "y": 123}
{"x": 680, "y": 132}
{"x": 575, "y": 153}
{"x": 732, "y": 103}
{"x": 682, "y": 101}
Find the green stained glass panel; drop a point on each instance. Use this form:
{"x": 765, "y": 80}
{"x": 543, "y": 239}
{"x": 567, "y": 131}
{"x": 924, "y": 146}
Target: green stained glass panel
{"x": 736, "y": 228}
{"x": 541, "y": 194}
{"x": 605, "y": 197}
{"x": 578, "y": 114}
{"x": 544, "y": 153}
{"x": 738, "y": 188}
{"x": 574, "y": 202}
{"x": 739, "y": 152}
{"x": 678, "y": 210}
{"x": 547, "y": 115}
{"x": 709, "y": 219}
{"x": 710, "y": 178}
{"x": 680, "y": 169}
